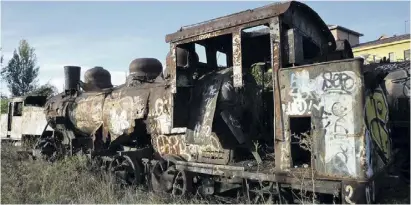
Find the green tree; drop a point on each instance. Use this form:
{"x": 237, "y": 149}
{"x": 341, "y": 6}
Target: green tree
{"x": 3, "y": 105}
{"x": 21, "y": 71}
{"x": 45, "y": 90}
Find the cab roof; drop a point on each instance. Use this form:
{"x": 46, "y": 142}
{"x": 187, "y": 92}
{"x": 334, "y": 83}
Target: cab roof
{"x": 247, "y": 16}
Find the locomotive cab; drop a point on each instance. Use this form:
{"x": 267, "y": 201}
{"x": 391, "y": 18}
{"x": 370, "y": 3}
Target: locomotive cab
{"x": 223, "y": 82}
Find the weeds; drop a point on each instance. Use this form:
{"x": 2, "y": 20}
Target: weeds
{"x": 67, "y": 181}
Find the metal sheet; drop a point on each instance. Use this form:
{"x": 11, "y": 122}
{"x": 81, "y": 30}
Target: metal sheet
{"x": 16, "y": 130}
{"x": 34, "y": 121}
{"x": 3, "y": 125}
{"x": 329, "y": 93}
{"x": 203, "y": 108}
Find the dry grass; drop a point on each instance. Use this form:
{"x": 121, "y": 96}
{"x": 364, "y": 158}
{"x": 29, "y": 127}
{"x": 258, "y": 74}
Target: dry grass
{"x": 67, "y": 181}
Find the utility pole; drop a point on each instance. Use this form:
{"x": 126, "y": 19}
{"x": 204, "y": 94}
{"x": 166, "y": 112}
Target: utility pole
{"x": 405, "y": 31}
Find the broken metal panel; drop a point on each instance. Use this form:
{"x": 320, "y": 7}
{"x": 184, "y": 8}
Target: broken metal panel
{"x": 203, "y": 108}
{"x": 200, "y": 136}
{"x": 237, "y": 62}
{"x": 34, "y": 121}
{"x": 330, "y": 94}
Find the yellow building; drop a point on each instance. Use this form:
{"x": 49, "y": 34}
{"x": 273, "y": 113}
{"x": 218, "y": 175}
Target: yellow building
{"x": 395, "y": 48}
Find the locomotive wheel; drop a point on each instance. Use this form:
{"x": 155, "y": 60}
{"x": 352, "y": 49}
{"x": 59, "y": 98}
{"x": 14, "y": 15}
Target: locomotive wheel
{"x": 180, "y": 183}
{"x": 260, "y": 194}
{"x": 125, "y": 170}
{"x": 264, "y": 193}
{"x": 166, "y": 178}
{"x": 94, "y": 163}
{"x": 47, "y": 149}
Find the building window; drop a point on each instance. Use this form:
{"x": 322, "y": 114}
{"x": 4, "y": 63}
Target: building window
{"x": 407, "y": 55}
{"x": 391, "y": 57}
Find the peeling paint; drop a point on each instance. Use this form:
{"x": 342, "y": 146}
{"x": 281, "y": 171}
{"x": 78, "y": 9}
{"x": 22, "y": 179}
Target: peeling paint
{"x": 237, "y": 70}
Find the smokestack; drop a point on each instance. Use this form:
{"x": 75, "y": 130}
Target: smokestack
{"x": 72, "y": 78}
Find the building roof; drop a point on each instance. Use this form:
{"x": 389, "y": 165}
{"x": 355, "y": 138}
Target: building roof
{"x": 383, "y": 41}
{"x": 332, "y": 27}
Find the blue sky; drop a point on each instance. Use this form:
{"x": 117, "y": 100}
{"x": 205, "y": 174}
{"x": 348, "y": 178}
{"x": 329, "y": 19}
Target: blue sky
{"x": 111, "y": 34}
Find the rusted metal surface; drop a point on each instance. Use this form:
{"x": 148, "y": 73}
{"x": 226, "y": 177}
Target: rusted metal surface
{"x": 282, "y": 148}
{"x": 293, "y": 47}
{"x": 308, "y": 26}
{"x": 295, "y": 181}
{"x": 120, "y": 110}
{"x": 86, "y": 112}
{"x": 116, "y": 110}
{"x": 237, "y": 69}
{"x": 248, "y": 16}
{"x": 160, "y": 111}
{"x": 327, "y": 93}
{"x": 199, "y": 142}
{"x": 96, "y": 79}
{"x": 171, "y": 74}
{"x": 226, "y": 31}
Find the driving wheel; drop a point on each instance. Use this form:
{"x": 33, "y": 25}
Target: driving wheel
{"x": 125, "y": 170}
{"x": 166, "y": 178}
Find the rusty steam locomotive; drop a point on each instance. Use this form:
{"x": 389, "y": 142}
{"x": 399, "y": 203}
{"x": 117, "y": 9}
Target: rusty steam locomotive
{"x": 213, "y": 126}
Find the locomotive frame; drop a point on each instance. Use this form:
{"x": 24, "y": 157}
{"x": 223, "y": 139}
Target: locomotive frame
{"x": 316, "y": 87}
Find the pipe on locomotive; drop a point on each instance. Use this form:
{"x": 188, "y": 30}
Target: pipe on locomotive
{"x": 72, "y": 79}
